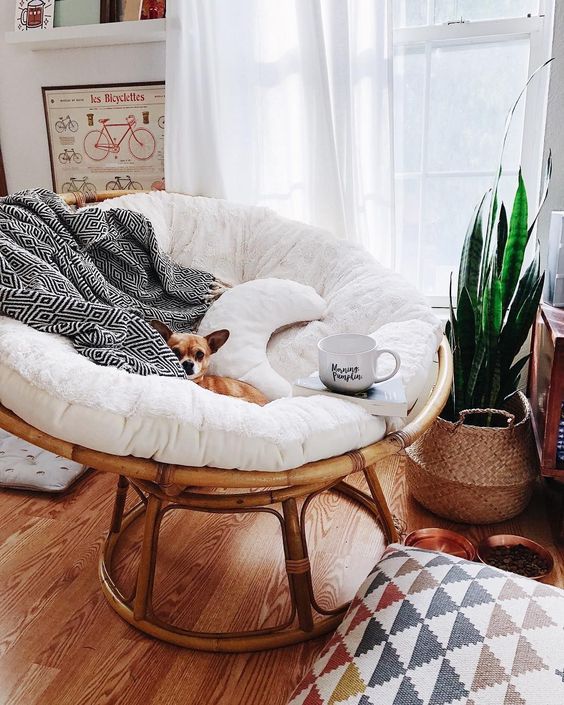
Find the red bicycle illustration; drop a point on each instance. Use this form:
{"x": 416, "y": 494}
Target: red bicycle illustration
{"x": 123, "y": 183}
{"x": 68, "y": 155}
{"x": 79, "y": 186}
{"x": 158, "y": 185}
{"x": 99, "y": 143}
{"x": 67, "y": 123}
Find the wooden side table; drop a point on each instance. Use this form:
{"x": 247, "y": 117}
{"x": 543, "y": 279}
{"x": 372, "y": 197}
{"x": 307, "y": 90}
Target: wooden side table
{"x": 546, "y": 394}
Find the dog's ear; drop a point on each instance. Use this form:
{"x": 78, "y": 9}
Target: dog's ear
{"x": 163, "y": 329}
{"x": 217, "y": 339}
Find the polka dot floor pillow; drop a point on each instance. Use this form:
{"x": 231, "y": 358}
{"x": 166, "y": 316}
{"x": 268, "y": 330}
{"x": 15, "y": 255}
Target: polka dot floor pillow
{"x": 24, "y": 466}
{"x": 429, "y": 629}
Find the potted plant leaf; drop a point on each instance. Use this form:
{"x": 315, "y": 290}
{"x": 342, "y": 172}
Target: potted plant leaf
{"x": 477, "y": 462}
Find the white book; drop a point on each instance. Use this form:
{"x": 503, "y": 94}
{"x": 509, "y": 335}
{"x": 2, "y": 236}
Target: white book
{"x": 382, "y": 399}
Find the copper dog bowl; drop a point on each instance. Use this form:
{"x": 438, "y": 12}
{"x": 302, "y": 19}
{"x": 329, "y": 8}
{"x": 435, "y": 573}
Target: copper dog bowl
{"x": 485, "y": 546}
{"x": 435, "y": 539}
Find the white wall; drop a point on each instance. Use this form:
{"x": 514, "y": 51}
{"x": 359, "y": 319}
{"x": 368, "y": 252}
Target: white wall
{"x": 23, "y": 135}
{"x": 554, "y": 135}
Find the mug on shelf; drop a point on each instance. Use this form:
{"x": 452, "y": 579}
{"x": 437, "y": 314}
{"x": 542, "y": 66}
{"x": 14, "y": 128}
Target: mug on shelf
{"x": 32, "y": 15}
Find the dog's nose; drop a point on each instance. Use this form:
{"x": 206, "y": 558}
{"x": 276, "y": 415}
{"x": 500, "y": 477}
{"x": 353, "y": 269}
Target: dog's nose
{"x": 188, "y": 367}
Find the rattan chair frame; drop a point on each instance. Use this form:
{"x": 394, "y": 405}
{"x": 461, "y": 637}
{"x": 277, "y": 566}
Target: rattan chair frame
{"x": 163, "y": 487}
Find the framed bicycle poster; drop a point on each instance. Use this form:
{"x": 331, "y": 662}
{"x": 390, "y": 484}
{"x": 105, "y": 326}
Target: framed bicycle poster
{"x": 106, "y": 137}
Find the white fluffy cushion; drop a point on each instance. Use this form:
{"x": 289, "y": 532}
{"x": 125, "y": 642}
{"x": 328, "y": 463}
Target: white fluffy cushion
{"x": 417, "y": 350}
{"x": 252, "y": 312}
{"x": 46, "y": 382}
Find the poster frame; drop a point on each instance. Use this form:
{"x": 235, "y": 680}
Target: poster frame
{"x": 127, "y": 85}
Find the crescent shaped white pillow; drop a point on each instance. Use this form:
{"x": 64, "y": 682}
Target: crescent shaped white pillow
{"x": 252, "y": 312}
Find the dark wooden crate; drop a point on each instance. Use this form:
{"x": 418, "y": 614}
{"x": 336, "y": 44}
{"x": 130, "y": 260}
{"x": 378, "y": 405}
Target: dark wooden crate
{"x": 546, "y": 387}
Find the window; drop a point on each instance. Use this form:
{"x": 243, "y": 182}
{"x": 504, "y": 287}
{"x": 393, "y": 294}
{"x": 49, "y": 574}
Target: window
{"x": 458, "y": 67}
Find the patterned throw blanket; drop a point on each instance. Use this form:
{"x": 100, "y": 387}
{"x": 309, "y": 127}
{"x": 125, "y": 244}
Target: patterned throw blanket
{"x": 97, "y": 277}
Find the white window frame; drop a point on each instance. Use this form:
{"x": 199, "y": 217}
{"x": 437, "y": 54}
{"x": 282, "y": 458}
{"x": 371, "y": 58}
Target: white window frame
{"x": 539, "y": 30}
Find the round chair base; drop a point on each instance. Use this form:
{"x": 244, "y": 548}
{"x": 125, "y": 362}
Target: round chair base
{"x": 137, "y": 610}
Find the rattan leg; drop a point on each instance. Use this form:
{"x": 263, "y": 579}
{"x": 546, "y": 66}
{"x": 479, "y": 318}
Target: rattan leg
{"x": 297, "y": 565}
{"x": 386, "y": 517}
{"x": 146, "y": 572}
{"x": 138, "y": 610}
{"x": 119, "y": 504}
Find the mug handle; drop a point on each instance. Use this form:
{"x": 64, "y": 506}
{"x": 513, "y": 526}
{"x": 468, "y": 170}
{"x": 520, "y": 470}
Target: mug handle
{"x": 396, "y": 368}
{"x": 24, "y": 14}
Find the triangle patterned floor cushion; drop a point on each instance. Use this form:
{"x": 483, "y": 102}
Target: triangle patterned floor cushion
{"x": 427, "y": 628}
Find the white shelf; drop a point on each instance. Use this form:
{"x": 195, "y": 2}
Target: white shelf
{"x": 90, "y": 35}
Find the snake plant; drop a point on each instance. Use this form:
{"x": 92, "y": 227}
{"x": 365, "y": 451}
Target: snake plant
{"x": 496, "y": 302}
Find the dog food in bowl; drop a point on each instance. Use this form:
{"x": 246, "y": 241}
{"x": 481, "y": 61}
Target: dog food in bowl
{"x": 516, "y": 554}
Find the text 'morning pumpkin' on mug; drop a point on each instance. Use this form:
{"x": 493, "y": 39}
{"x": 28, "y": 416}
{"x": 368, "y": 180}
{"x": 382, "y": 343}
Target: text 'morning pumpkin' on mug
{"x": 347, "y": 362}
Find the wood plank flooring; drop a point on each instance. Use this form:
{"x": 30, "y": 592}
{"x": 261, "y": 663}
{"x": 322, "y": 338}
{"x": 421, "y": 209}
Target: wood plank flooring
{"x": 61, "y": 644}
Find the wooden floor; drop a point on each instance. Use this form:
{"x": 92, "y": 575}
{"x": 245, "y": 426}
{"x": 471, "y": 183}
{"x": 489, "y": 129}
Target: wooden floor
{"x": 61, "y": 644}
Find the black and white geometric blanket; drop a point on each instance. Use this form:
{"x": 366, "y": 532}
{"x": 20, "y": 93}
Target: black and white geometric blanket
{"x": 96, "y": 277}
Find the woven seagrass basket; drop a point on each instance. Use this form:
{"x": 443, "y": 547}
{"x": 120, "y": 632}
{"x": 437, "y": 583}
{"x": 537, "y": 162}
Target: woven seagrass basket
{"x": 476, "y": 474}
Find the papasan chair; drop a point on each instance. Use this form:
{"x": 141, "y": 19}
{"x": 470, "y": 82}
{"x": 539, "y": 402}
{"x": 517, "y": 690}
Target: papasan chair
{"x": 175, "y": 444}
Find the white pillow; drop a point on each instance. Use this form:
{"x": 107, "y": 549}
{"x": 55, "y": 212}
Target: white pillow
{"x": 252, "y": 312}
{"x": 416, "y": 344}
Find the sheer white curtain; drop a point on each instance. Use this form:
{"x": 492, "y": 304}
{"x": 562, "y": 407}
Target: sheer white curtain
{"x": 285, "y": 103}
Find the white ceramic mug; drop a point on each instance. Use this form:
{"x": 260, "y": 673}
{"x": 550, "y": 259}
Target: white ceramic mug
{"x": 347, "y": 362}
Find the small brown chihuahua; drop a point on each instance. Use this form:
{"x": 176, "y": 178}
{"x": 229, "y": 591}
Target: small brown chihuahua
{"x": 194, "y": 353}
